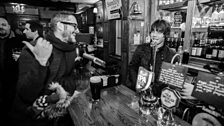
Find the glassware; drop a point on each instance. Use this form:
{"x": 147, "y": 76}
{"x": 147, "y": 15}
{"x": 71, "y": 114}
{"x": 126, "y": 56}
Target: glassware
{"x": 165, "y": 118}
{"x": 147, "y": 104}
{"x": 96, "y": 83}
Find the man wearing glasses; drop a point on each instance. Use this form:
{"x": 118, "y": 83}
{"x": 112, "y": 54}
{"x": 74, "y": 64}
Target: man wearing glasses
{"x": 51, "y": 60}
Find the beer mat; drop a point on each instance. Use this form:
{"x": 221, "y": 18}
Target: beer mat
{"x": 205, "y": 119}
{"x": 210, "y": 89}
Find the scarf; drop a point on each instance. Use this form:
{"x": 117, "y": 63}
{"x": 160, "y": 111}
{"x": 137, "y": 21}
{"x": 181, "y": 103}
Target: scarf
{"x": 57, "y": 43}
{"x": 62, "y": 60}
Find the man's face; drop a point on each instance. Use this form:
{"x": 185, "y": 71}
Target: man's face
{"x": 4, "y": 28}
{"x": 70, "y": 29}
{"x": 157, "y": 38}
{"x": 27, "y": 31}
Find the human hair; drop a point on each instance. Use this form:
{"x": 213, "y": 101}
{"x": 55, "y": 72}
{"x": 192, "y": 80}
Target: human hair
{"x": 36, "y": 26}
{"x": 161, "y": 26}
{"x": 61, "y": 17}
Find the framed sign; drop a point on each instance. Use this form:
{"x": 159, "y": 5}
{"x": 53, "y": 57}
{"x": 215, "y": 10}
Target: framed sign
{"x": 170, "y": 98}
{"x": 113, "y": 9}
{"x": 173, "y": 75}
{"x": 216, "y": 31}
{"x": 210, "y": 89}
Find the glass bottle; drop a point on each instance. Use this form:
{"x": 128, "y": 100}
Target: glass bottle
{"x": 185, "y": 58}
{"x": 221, "y": 15}
{"x": 215, "y": 15}
{"x": 194, "y": 48}
{"x": 215, "y": 49}
{"x": 221, "y": 49}
{"x": 209, "y": 50}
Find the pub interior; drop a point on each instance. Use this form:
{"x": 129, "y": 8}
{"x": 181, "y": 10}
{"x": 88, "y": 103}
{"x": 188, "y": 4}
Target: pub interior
{"x": 110, "y": 31}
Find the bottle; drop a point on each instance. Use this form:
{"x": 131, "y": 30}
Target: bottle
{"x": 215, "y": 49}
{"x": 204, "y": 47}
{"x": 176, "y": 44}
{"x": 209, "y": 50}
{"x": 172, "y": 44}
{"x": 215, "y": 15}
{"x": 221, "y": 50}
{"x": 194, "y": 48}
{"x": 180, "y": 52}
{"x": 168, "y": 42}
{"x": 199, "y": 49}
{"x": 221, "y": 15}
{"x": 185, "y": 58}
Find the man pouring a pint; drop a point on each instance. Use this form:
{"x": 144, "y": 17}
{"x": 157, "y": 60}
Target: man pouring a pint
{"x": 144, "y": 55}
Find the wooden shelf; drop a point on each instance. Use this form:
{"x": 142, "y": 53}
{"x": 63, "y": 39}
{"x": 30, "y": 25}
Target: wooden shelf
{"x": 201, "y": 61}
{"x": 173, "y": 7}
{"x": 175, "y": 29}
{"x": 200, "y": 29}
{"x": 211, "y": 2}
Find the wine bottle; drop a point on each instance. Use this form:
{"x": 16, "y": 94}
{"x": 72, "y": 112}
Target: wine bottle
{"x": 214, "y": 49}
{"x": 209, "y": 50}
{"x": 221, "y": 50}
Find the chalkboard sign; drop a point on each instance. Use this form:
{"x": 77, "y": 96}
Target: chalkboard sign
{"x": 173, "y": 75}
{"x": 216, "y": 31}
{"x": 177, "y": 19}
{"x": 210, "y": 89}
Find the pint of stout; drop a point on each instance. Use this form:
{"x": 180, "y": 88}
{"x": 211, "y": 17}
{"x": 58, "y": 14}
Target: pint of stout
{"x": 96, "y": 84}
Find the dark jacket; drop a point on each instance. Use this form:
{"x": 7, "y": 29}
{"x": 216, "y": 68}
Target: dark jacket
{"x": 143, "y": 56}
{"x": 34, "y": 79}
{"x": 8, "y": 72}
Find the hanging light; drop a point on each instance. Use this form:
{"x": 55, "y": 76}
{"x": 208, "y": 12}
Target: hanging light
{"x": 135, "y": 10}
{"x": 95, "y": 10}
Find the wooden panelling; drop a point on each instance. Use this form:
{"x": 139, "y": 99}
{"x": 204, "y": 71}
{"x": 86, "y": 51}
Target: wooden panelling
{"x": 100, "y": 12}
{"x": 2, "y": 11}
{"x": 105, "y": 31}
{"x": 91, "y": 19}
{"x": 112, "y": 36}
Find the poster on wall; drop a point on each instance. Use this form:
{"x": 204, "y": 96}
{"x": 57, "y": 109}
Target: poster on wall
{"x": 113, "y": 9}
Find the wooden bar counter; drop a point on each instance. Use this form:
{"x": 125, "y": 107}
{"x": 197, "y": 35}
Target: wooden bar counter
{"x": 115, "y": 108}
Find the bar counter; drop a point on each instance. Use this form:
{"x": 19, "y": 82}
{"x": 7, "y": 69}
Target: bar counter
{"x": 115, "y": 108}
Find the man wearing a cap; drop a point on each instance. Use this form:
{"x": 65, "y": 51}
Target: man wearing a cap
{"x": 51, "y": 60}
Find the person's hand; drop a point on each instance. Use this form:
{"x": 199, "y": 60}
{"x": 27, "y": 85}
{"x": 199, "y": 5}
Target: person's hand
{"x": 78, "y": 58}
{"x": 42, "y": 50}
{"x": 15, "y": 56}
{"x": 187, "y": 91}
{"x": 40, "y": 103}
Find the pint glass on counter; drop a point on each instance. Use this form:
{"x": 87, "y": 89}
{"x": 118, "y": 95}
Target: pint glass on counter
{"x": 96, "y": 84}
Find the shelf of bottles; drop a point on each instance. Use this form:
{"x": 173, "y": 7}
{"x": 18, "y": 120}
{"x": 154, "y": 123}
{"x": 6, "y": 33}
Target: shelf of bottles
{"x": 205, "y": 44}
{"x": 175, "y": 42}
{"x": 206, "y": 17}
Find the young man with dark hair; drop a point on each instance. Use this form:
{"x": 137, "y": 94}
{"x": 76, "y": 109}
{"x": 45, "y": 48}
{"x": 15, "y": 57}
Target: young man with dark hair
{"x": 143, "y": 55}
{"x": 33, "y": 30}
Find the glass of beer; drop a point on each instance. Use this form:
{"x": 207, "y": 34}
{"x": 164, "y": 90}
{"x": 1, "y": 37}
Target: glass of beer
{"x": 96, "y": 83}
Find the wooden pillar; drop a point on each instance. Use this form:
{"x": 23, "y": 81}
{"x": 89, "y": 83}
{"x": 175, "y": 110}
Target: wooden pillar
{"x": 124, "y": 40}
{"x": 188, "y": 33}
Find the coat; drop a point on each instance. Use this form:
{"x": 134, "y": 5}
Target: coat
{"x": 143, "y": 56}
{"x": 34, "y": 79}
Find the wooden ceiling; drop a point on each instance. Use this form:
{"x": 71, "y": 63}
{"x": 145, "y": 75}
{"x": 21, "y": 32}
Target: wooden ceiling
{"x": 57, "y": 4}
